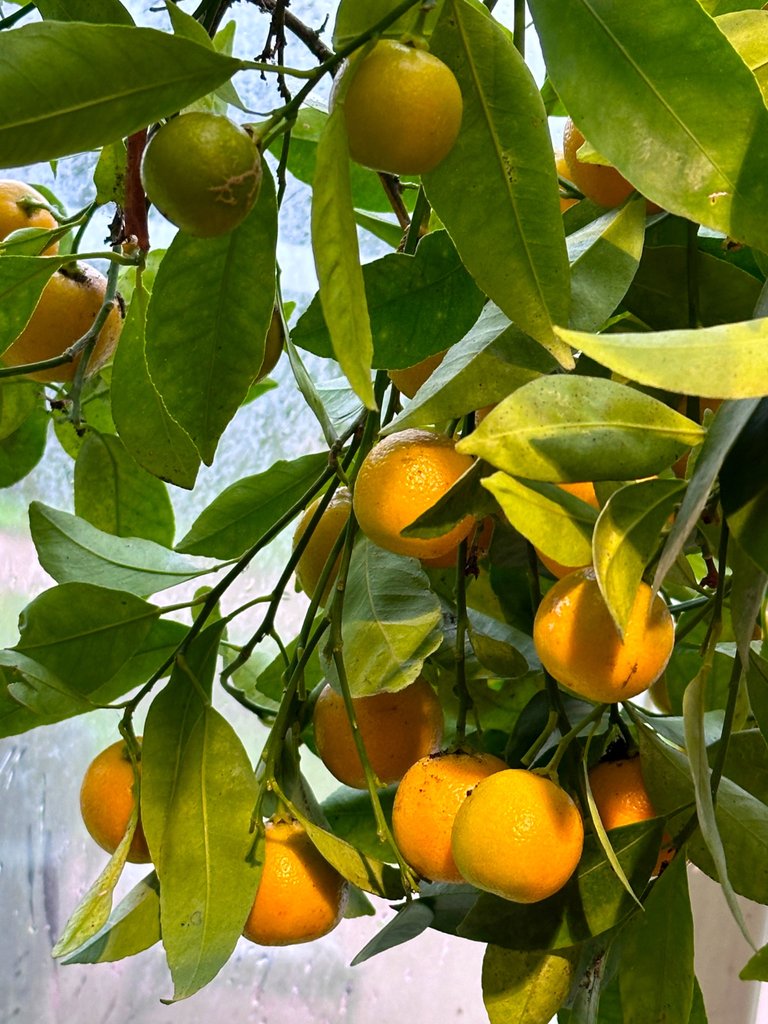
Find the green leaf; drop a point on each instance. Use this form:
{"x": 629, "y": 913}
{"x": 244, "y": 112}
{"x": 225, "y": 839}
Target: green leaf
{"x": 246, "y": 510}
{"x": 728, "y": 361}
{"x": 204, "y": 352}
{"x": 757, "y": 688}
{"x": 117, "y": 496}
{"x": 367, "y": 873}
{"x": 184, "y": 24}
{"x": 72, "y": 551}
{"x": 747, "y": 595}
{"x": 728, "y": 423}
{"x": 464, "y": 497}
{"x": 18, "y": 400}
{"x": 392, "y": 621}
{"x": 260, "y": 678}
{"x": 21, "y": 451}
{"x": 496, "y": 645}
{"x": 334, "y": 243}
{"x": 591, "y": 903}
{"x": 627, "y": 536}
{"x": 658, "y": 943}
{"x": 350, "y": 816}
{"x": 711, "y": 127}
{"x": 744, "y": 487}
{"x": 604, "y": 257}
{"x": 492, "y": 360}
{"x": 133, "y": 926}
{"x": 572, "y": 428}
{"x": 516, "y": 250}
{"x": 356, "y": 16}
{"x": 741, "y": 818}
{"x": 526, "y": 987}
{"x": 39, "y": 691}
{"x": 83, "y": 633}
{"x": 659, "y": 293}
{"x": 154, "y": 439}
{"x": 93, "y": 910}
{"x": 418, "y": 305}
{"x": 745, "y": 30}
{"x": 557, "y": 523}
{"x": 22, "y": 279}
{"x": 107, "y": 97}
{"x": 412, "y": 919}
{"x": 103, "y": 12}
{"x": 110, "y": 173}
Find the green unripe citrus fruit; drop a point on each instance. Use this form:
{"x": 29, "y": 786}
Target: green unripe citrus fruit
{"x": 202, "y": 172}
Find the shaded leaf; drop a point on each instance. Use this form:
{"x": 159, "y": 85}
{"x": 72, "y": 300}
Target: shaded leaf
{"x": 104, "y": 12}
{"x": 412, "y": 919}
{"x": 350, "y": 816}
{"x": 744, "y": 486}
{"x": 18, "y": 400}
{"x": 134, "y": 925}
{"x": 21, "y": 450}
{"x": 525, "y": 987}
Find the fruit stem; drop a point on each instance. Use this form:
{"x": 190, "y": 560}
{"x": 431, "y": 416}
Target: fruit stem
{"x": 421, "y": 212}
{"x": 530, "y": 755}
{"x": 462, "y": 623}
{"x": 621, "y": 725}
{"x": 518, "y": 28}
{"x": 551, "y": 768}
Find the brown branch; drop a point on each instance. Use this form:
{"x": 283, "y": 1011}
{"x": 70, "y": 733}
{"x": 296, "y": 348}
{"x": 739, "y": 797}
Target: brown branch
{"x": 135, "y": 200}
{"x": 309, "y": 36}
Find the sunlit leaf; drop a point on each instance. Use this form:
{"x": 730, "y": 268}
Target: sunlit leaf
{"x": 134, "y": 925}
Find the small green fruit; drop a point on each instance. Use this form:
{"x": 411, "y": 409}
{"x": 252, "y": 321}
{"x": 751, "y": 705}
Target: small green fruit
{"x": 202, "y": 172}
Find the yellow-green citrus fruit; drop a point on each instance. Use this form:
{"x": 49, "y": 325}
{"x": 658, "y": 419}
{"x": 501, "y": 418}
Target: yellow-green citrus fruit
{"x": 273, "y": 346}
{"x": 16, "y": 212}
{"x": 107, "y": 800}
{"x": 397, "y": 729}
{"x": 334, "y": 519}
{"x": 399, "y": 479}
{"x": 202, "y": 172}
{"x": 402, "y": 108}
{"x": 518, "y": 835}
{"x": 300, "y": 896}
{"x": 578, "y": 643}
{"x": 426, "y": 804}
{"x": 67, "y": 308}
{"x": 409, "y": 380}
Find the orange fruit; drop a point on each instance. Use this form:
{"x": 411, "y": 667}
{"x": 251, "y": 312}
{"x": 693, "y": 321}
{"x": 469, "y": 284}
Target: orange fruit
{"x": 578, "y": 643}
{"x": 107, "y": 799}
{"x": 202, "y": 172}
{"x": 401, "y": 477}
{"x": 402, "y": 108}
{"x": 273, "y": 346}
{"x": 310, "y": 566}
{"x": 586, "y": 492}
{"x": 300, "y": 896}
{"x": 396, "y": 728}
{"x": 564, "y": 171}
{"x": 17, "y": 210}
{"x": 603, "y": 185}
{"x": 67, "y": 308}
{"x": 480, "y": 543}
{"x": 622, "y": 799}
{"x": 426, "y": 804}
{"x": 519, "y": 835}
{"x": 409, "y": 380}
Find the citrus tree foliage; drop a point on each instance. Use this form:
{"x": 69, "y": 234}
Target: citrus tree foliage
{"x": 624, "y": 347}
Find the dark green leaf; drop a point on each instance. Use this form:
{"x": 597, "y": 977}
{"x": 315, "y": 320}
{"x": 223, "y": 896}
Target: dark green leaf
{"x": 204, "y": 352}
{"x": 21, "y": 451}
{"x": 247, "y": 509}
{"x": 412, "y": 919}
{"x": 103, "y": 12}
{"x": 744, "y": 486}
{"x": 658, "y": 943}
{"x": 18, "y": 400}
{"x": 708, "y": 120}
{"x": 334, "y": 243}
{"x": 22, "y": 279}
{"x": 134, "y": 925}
{"x": 71, "y": 550}
{"x": 465, "y": 497}
{"x": 571, "y": 428}
{"x": 117, "y": 496}
{"x": 418, "y": 305}
{"x": 392, "y": 621}
{"x": 109, "y": 175}
{"x": 591, "y": 903}
{"x": 107, "y": 97}
{"x": 516, "y": 252}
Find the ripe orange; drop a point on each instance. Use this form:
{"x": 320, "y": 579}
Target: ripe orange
{"x": 426, "y": 804}
{"x": 107, "y": 799}
{"x": 396, "y": 728}
{"x": 603, "y": 185}
{"x": 202, "y": 172}
{"x": 401, "y": 477}
{"x": 586, "y": 492}
{"x": 578, "y": 643}
{"x": 17, "y": 210}
{"x": 518, "y": 835}
{"x": 480, "y": 543}
{"x": 68, "y": 306}
{"x": 402, "y": 108}
{"x": 300, "y": 896}
{"x": 622, "y": 799}
{"x": 409, "y": 380}
{"x": 312, "y": 561}
{"x": 564, "y": 171}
